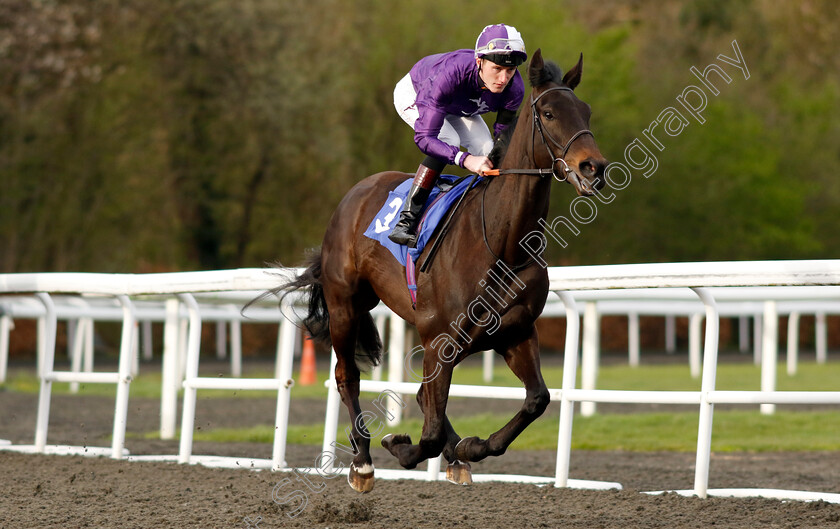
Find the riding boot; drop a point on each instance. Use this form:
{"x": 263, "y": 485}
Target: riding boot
{"x": 405, "y": 231}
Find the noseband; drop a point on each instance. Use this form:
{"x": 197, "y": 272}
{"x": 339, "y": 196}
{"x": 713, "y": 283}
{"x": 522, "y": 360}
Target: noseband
{"x": 548, "y": 140}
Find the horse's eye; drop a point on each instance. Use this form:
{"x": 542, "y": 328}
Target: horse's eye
{"x": 548, "y": 115}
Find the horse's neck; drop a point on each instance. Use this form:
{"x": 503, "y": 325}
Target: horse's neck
{"x": 514, "y": 205}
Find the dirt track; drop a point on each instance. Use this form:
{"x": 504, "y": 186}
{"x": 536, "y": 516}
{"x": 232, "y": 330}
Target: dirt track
{"x": 44, "y": 491}
{"x": 56, "y": 491}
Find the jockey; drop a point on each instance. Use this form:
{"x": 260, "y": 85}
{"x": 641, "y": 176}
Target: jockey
{"x": 442, "y": 98}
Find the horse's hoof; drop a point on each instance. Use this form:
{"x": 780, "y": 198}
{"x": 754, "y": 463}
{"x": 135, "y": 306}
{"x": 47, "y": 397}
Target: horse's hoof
{"x": 464, "y": 450}
{"x": 459, "y": 473}
{"x": 361, "y": 479}
{"x": 392, "y": 440}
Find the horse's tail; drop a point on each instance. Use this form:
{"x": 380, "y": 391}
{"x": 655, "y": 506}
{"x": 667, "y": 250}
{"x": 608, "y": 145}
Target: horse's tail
{"x": 317, "y": 319}
{"x": 368, "y": 342}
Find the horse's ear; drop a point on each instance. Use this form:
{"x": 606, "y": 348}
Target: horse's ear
{"x": 535, "y": 68}
{"x": 572, "y": 77}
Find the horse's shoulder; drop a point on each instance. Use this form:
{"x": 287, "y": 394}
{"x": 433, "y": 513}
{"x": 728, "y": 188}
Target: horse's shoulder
{"x": 386, "y": 179}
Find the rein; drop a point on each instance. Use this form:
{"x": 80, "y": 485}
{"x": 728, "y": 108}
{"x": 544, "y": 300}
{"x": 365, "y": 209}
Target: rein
{"x": 536, "y": 123}
{"x": 547, "y": 140}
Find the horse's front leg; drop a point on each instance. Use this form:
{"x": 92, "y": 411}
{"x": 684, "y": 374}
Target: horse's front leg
{"x": 432, "y": 398}
{"x": 456, "y": 471}
{"x": 524, "y": 360}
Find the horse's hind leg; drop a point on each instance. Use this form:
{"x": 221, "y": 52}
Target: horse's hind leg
{"x": 523, "y": 359}
{"x": 344, "y": 326}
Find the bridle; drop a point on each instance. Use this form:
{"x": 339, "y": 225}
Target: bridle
{"x": 547, "y": 140}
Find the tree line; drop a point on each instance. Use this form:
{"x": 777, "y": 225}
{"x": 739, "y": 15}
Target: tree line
{"x": 159, "y": 135}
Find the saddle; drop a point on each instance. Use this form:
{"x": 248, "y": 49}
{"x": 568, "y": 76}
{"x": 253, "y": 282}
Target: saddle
{"x": 442, "y": 197}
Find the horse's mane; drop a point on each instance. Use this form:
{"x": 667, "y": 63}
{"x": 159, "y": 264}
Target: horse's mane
{"x": 550, "y": 73}
{"x": 500, "y": 146}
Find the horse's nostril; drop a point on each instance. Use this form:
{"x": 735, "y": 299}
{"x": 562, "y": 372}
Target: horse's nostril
{"x": 587, "y": 168}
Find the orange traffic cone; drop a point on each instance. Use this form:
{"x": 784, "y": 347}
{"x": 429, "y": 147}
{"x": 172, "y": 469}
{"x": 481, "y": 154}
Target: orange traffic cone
{"x": 307, "y": 363}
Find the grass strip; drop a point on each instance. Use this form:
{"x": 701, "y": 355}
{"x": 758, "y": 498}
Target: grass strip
{"x": 733, "y": 431}
{"x": 672, "y": 377}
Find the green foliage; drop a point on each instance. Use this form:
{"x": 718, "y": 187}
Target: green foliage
{"x": 733, "y": 431}
{"x": 182, "y": 134}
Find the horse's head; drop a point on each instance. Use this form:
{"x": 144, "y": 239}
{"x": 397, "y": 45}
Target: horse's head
{"x": 561, "y": 136}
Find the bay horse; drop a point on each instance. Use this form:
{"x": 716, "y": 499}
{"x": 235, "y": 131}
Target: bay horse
{"x": 483, "y": 291}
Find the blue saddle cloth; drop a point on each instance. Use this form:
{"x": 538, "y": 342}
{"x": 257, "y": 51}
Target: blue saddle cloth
{"x": 437, "y": 205}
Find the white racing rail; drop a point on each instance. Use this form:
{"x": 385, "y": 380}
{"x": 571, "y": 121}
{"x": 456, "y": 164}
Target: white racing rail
{"x": 123, "y": 286}
{"x": 764, "y": 304}
{"x": 568, "y": 283}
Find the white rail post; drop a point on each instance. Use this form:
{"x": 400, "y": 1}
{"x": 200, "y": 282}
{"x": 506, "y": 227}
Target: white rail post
{"x": 78, "y": 338}
{"x": 821, "y": 330}
{"x": 296, "y": 340}
{"x": 590, "y": 354}
{"x": 41, "y": 331}
{"x": 285, "y": 357}
{"x": 707, "y": 385}
{"x": 330, "y": 418}
{"x": 235, "y": 341}
{"x": 567, "y": 406}
{"x": 633, "y": 338}
{"x": 433, "y": 468}
{"x": 487, "y": 365}
{"x": 170, "y": 378}
{"x": 236, "y": 348}
{"x": 126, "y": 361}
{"x": 769, "y": 353}
{"x": 45, "y": 368}
{"x": 6, "y": 326}
{"x": 396, "y": 354}
{"x": 792, "y": 343}
{"x": 76, "y": 351}
{"x": 758, "y": 334}
{"x": 87, "y": 365}
{"x": 135, "y": 349}
{"x": 193, "y": 350}
{"x": 694, "y": 339}
{"x": 183, "y": 347}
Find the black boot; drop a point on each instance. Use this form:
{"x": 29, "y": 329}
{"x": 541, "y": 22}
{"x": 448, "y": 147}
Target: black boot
{"x": 405, "y": 232}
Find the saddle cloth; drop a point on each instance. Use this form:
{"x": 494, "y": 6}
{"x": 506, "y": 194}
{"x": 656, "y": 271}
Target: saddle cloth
{"x": 437, "y": 206}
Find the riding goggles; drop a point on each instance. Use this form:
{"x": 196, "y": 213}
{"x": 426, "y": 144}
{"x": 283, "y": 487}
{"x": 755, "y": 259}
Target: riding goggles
{"x": 501, "y": 46}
